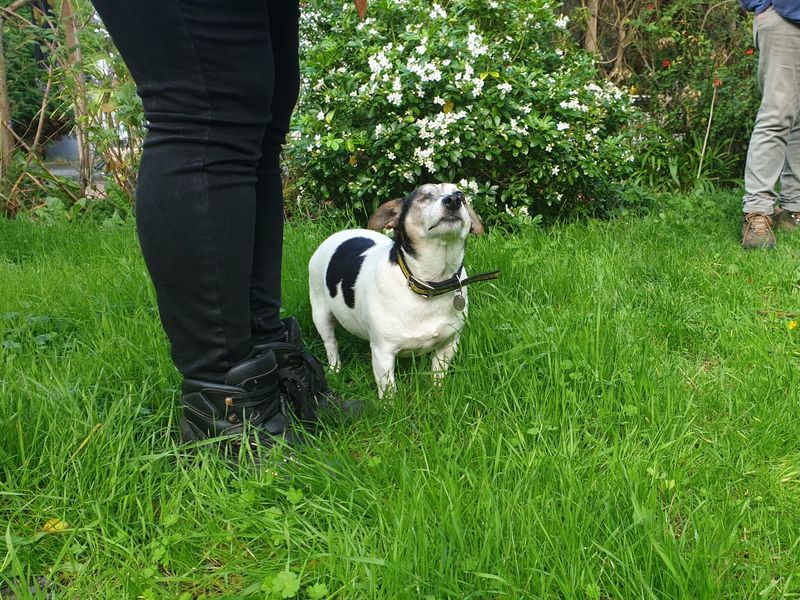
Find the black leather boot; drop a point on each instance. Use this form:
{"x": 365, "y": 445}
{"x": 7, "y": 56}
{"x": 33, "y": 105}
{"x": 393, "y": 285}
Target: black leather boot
{"x": 248, "y": 402}
{"x": 302, "y": 379}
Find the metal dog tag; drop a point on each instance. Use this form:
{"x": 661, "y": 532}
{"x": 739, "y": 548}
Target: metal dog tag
{"x": 458, "y": 302}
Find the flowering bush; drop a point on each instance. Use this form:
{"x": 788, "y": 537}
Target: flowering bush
{"x": 492, "y": 95}
{"x": 696, "y": 71}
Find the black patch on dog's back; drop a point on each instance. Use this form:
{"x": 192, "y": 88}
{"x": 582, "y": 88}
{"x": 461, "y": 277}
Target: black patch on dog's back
{"x": 344, "y": 266}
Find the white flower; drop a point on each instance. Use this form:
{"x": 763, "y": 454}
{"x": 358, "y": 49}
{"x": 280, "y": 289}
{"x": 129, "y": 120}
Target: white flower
{"x": 426, "y": 72}
{"x": 505, "y": 87}
{"x": 395, "y": 98}
{"x": 475, "y": 44}
{"x": 548, "y": 148}
{"x": 574, "y": 104}
{"x": 378, "y": 130}
{"x": 378, "y": 63}
{"x": 562, "y": 21}
{"x": 477, "y": 86}
{"x": 321, "y": 115}
{"x": 425, "y": 156}
{"x": 559, "y": 52}
{"x": 437, "y": 11}
{"x": 391, "y": 155}
{"x": 561, "y": 126}
{"x": 517, "y": 128}
{"x": 494, "y": 4}
{"x": 438, "y": 100}
{"x": 555, "y": 170}
{"x": 472, "y": 186}
{"x": 437, "y": 126}
{"x": 594, "y": 88}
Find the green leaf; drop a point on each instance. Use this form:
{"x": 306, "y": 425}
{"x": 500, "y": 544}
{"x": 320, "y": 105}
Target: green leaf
{"x": 294, "y": 495}
{"x": 317, "y": 591}
{"x": 286, "y": 584}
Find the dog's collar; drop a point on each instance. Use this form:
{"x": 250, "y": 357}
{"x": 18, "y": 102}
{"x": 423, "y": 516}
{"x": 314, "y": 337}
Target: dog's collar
{"x": 437, "y": 288}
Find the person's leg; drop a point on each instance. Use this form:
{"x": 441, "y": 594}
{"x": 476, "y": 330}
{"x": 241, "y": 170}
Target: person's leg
{"x": 787, "y": 215}
{"x": 205, "y": 73}
{"x": 265, "y": 285}
{"x": 302, "y": 376}
{"x": 209, "y": 180}
{"x": 790, "y": 176}
{"x": 778, "y": 42}
{"x": 204, "y": 70}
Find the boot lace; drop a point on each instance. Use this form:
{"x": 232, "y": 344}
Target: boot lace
{"x": 759, "y": 224}
{"x": 264, "y": 403}
{"x": 302, "y": 379}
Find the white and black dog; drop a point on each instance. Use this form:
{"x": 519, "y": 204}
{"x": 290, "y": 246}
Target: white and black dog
{"x": 405, "y": 295}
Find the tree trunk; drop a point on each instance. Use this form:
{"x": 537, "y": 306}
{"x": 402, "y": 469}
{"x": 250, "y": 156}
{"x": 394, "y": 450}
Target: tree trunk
{"x": 621, "y": 72}
{"x": 590, "y": 40}
{"x": 75, "y": 62}
{"x": 6, "y": 143}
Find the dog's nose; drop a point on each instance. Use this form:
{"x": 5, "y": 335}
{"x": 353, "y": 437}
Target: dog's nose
{"x": 453, "y": 201}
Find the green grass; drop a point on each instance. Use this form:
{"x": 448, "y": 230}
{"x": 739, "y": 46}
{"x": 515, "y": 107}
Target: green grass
{"x": 621, "y": 421}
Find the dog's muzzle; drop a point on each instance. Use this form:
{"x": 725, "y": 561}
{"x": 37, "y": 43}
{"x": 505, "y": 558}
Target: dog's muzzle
{"x": 454, "y": 201}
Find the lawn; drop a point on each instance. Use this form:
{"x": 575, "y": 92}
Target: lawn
{"x": 621, "y": 421}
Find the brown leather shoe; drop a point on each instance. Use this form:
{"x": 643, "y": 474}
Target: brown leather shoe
{"x": 787, "y": 220}
{"x": 757, "y": 231}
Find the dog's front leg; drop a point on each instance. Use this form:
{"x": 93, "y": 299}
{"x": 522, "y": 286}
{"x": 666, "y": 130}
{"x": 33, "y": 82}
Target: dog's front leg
{"x": 383, "y": 360}
{"x": 441, "y": 359}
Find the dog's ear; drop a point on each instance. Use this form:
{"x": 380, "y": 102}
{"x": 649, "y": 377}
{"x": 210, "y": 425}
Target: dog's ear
{"x": 477, "y": 226}
{"x": 387, "y": 215}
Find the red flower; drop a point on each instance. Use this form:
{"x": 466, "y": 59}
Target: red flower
{"x": 651, "y": 7}
{"x": 717, "y": 82}
{"x": 749, "y": 51}
{"x": 666, "y": 63}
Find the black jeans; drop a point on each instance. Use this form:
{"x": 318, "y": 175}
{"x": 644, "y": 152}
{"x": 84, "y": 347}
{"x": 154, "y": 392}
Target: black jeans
{"x": 218, "y": 80}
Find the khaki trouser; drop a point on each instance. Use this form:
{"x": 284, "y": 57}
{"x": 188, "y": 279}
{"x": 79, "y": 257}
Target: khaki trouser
{"x": 774, "y": 151}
